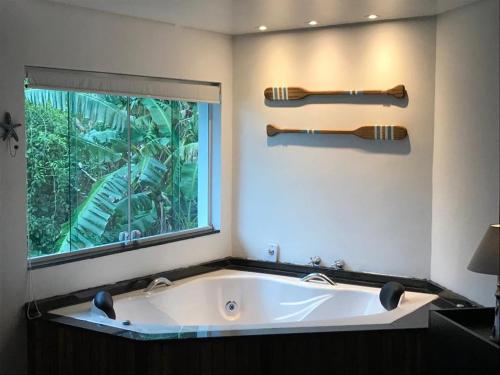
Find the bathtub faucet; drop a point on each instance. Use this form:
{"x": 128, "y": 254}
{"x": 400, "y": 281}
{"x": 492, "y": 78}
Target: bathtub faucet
{"x": 318, "y": 277}
{"x": 157, "y": 282}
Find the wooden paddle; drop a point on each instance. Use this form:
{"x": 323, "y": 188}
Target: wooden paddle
{"x": 297, "y": 93}
{"x": 376, "y": 132}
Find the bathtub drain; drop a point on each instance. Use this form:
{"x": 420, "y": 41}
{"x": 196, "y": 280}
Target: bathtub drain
{"x": 232, "y": 308}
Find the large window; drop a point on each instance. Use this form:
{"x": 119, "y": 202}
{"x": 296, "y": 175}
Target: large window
{"x": 106, "y": 171}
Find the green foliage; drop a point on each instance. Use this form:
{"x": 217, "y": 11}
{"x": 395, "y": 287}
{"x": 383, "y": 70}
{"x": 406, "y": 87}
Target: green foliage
{"x": 78, "y": 168}
{"x": 90, "y": 222}
{"x": 48, "y": 177}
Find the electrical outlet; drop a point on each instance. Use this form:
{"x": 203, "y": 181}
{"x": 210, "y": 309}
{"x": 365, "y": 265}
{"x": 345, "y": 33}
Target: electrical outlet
{"x": 272, "y": 250}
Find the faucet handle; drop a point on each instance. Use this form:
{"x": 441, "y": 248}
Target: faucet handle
{"x": 315, "y": 261}
{"x": 339, "y": 264}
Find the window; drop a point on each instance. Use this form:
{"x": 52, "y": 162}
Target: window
{"x": 108, "y": 171}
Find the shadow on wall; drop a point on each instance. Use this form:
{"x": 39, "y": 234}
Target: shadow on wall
{"x": 385, "y": 101}
{"x": 402, "y": 147}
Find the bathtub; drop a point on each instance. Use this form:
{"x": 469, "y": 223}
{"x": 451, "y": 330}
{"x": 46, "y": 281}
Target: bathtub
{"x": 229, "y": 300}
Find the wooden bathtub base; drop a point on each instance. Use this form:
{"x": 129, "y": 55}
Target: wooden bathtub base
{"x": 63, "y": 349}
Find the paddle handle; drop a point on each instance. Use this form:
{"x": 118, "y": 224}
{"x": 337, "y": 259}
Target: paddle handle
{"x": 272, "y": 131}
{"x": 376, "y": 132}
{"x": 345, "y": 92}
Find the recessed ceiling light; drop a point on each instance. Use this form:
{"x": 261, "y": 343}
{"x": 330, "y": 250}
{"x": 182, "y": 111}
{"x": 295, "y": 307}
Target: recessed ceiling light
{"x": 372, "y": 17}
{"x": 312, "y": 23}
{"x": 262, "y": 27}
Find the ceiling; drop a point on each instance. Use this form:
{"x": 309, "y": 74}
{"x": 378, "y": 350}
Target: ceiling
{"x": 244, "y": 16}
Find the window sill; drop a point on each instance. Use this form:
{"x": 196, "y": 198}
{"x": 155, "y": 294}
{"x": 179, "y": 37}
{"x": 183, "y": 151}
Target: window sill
{"x": 58, "y": 259}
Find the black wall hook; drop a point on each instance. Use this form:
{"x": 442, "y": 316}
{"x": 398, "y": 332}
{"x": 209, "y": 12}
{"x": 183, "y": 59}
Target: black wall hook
{"x": 9, "y": 129}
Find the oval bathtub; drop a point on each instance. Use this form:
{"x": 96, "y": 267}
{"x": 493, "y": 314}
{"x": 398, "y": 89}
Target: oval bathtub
{"x": 240, "y": 300}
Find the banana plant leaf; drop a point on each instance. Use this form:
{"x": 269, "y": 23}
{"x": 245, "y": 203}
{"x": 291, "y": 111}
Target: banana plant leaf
{"x": 95, "y": 108}
{"x": 145, "y": 221}
{"x": 54, "y": 98}
{"x": 185, "y": 153}
{"x": 189, "y": 181}
{"x": 161, "y": 114}
{"x": 104, "y": 154}
{"x": 110, "y": 138}
{"x": 90, "y": 220}
{"x": 139, "y": 202}
{"x": 149, "y": 172}
{"x": 89, "y": 106}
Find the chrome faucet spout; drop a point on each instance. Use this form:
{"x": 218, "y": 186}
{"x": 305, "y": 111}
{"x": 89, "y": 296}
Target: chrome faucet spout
{"x": 158, "y": 282}
{"x": 318, "y": 277}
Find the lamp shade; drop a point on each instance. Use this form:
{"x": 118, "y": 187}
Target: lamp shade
{"x": 486, "y": 259}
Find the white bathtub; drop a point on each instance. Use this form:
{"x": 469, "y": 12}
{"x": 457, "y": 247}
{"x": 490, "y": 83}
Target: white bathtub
{"x": 261, "y": 301}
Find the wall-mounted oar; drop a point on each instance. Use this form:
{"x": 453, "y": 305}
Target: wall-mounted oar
{"x": 297, "y": 93}
{"x": 376, "y": 132}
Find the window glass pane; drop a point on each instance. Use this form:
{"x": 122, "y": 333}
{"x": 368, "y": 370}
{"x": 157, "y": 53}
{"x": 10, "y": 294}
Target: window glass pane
{"x": 105, "y": 169}
{"x": 164, "y": 163}
{"x": 185, "y": 165}
{"x": 98, "y": 170}
{"x": 47, "y": 154}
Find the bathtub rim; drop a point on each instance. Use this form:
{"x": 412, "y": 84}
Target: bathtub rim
{"x": 413, "y": 302}
{"x": 417, "y": 319}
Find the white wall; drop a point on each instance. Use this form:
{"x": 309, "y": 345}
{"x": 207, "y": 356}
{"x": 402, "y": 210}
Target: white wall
{"x": 336, "y": 196}
{"x": 47, "y": 34}
{"x": 466, "y": 145}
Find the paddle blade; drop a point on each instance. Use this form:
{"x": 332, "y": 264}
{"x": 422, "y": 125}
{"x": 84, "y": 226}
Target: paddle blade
{"x": 384, "y": 133}
{"x": 272, "y": 131}
{"x": 398, "y": 92}
{"x": 285, "y": 93}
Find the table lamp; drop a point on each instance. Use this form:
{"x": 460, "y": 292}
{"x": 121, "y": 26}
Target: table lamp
{"x": 486, "y": 260}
